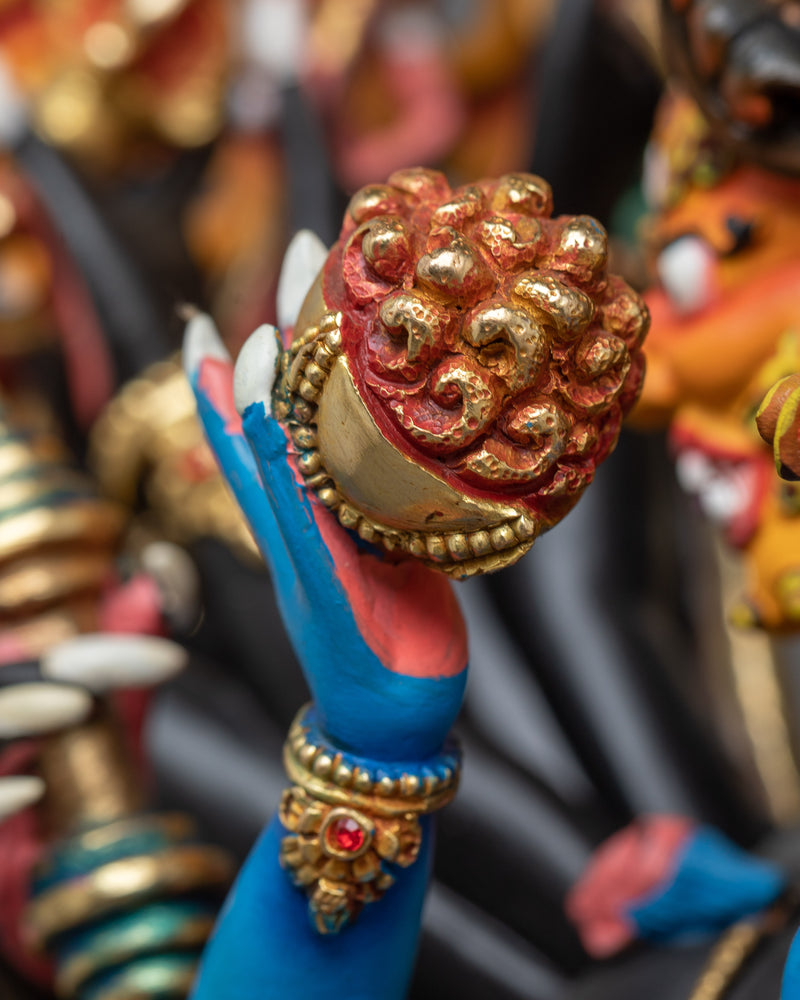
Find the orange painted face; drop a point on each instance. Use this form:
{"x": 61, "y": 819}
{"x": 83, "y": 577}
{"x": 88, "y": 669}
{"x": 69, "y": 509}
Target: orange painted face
{"x": 727, "y": 259}
{"x": 725, "y": 248}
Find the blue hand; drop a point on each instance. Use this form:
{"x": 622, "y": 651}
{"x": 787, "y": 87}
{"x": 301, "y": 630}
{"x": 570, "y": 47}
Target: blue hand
{"x": 382, "y": 647}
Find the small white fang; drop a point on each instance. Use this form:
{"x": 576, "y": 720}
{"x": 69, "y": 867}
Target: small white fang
{"x": 201, "y": 340}
{"x": 256, "y": 369}
{"x": 302, "y": 262}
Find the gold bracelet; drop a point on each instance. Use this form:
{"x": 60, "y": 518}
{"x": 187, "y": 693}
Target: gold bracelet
{"x": 351, "y": 818}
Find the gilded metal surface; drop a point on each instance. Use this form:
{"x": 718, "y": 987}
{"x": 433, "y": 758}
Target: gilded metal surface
{"x": 736, "y": 946}
{"x": 90, "y": 778}
{"x": 479, "y": 357}
{"x": 472, "y": 535}
{"x": 88, "y": 521}
{"x": 150, "y": 435}
{"x": 338, "y": 885}
{"x": 329, "y": 788}
{"x": 325, "y": 775}
{"x": 756, "y": 676}
{"x": 128, "y": 882}
{"x": 46, "y": 578}
{"x": 110, "y": 877}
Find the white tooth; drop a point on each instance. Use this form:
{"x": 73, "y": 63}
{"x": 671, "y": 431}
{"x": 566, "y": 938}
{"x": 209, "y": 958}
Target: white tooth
{"x": 256, "y": 369}
{"x": 17, "y": 792}
{"x": 693, "y": 470}
{"x": 302, "y": 262}
{"x": 102, "y": 661}
{"x": 36, "y": 708}
{"x": 201, "y": 340}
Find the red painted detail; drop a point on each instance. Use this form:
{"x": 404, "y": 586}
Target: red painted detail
{"x": 345, "y": 834}
{"x": 12, "y": 649}
{"x": 623, "y": 870}
{"x": 756, "y": 465}
{"x": 216, "y": 381}
{"x": 21, "y": 846}
{"x": 133, "y": 607}
{"x": 407, "y": 613}
{"x": 391, "y": 387}
{"x": 197, "y": 465}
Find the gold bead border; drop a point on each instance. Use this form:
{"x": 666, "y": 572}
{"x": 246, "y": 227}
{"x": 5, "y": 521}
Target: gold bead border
{"x": 305, "y": 368}
{"x": 328, "y": 777}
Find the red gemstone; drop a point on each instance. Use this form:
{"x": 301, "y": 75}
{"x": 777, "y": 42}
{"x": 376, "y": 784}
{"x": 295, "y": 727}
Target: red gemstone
{"x": 346, "y": 834}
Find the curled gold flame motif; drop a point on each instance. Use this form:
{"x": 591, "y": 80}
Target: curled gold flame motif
{"x": 482, "y": 340}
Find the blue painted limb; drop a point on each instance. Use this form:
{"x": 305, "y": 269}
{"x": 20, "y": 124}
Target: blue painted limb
{"x": 265, "y": 944}
{"x": 714, "y": 884}
{"x": 265, "y": 947}
{"x": 790, "y": 986}
{"x": 364, "y": 706}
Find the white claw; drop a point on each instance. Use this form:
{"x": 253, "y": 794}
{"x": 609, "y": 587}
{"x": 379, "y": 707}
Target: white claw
{"x": 102, "y": 662}
{"x": 36, "y": 708}
{"x": 302, "y": 262}
{"x": 17, "y": 792}
{"x": 201, "y": 340}
{"x": 256, "y": 368}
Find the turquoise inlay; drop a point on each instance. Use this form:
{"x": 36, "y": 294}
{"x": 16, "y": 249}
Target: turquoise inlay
{"x": 72, "y": 859}
{"x": 160, "y": 977}
{"x": 147, "y": 929}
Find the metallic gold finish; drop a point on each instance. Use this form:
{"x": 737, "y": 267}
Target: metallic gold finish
{"x": 479, "y": 357}
{"x": 150, "y": 434}
{"x": 127, "y": 882}
{"x": 383, "y": 814}
{"x": 737, "y": 945}
{"x": 756, "y": 677}
{"x": 89, "y": 776}
{"x": 339, "y": 882}
{"x": 413, "y": 489}
{"x": 569, "y": 307}
{"x": 46, "y": 579}
{"x": 90, "y": 521}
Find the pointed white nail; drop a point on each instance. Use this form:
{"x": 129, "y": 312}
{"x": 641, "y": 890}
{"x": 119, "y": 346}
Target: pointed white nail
{"x": 103, "y": 662}
{"x": 256, "y": 369}
{"x": 201, "y": 340}
{"x": 17, "y": 792}
{"x": 41, "y": 707}
{"x": 302, "y": 262}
